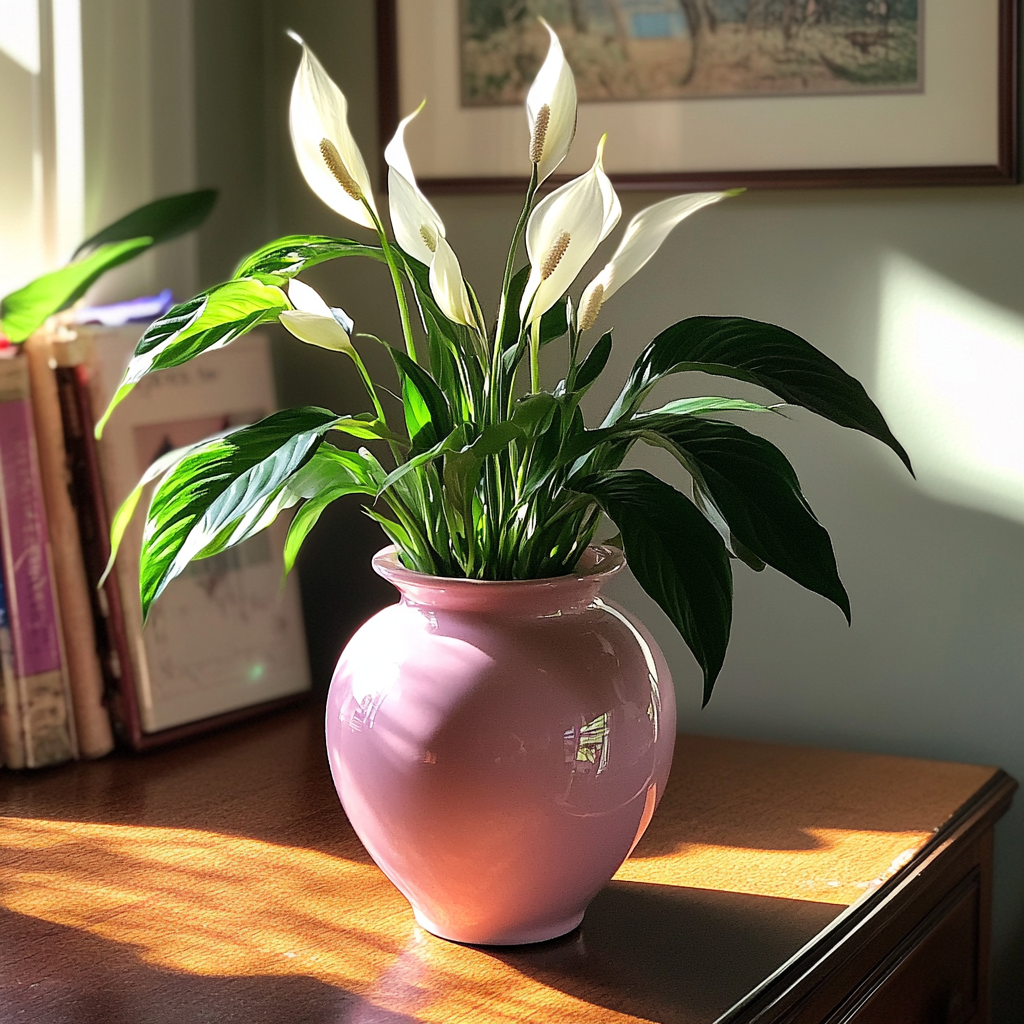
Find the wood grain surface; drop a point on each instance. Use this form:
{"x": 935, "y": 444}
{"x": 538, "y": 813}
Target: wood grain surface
{"x": 219, "y": 881}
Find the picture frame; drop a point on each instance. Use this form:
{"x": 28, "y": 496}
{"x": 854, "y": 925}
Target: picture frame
{"x": 957, "y": 126}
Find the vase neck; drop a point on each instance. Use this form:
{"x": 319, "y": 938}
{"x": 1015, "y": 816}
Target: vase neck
{"x": 553, "y": 596}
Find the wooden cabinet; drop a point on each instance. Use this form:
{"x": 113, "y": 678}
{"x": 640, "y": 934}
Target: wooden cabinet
{"x": 219, "y": 881}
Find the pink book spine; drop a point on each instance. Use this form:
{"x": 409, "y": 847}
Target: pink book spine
{"x": 38, "y": 660}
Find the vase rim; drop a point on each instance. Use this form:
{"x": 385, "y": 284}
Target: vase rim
{"x": 597, "y": 563}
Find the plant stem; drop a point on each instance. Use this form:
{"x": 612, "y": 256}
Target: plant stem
{"x": 367, "y": 382}
{"x": 403, "y": 305}
{"x": 535, "y": 356}
{"x": 510, "y": 263}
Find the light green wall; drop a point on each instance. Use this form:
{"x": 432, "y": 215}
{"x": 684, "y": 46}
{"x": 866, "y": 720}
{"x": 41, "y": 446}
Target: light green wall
{"x": 933, "y": 665}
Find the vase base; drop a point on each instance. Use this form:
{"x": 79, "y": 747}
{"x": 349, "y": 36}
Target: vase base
{"x": 513, "y": 937}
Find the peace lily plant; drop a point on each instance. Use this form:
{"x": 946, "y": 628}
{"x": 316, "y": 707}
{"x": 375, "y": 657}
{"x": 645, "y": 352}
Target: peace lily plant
{"x": 487, "y": 474}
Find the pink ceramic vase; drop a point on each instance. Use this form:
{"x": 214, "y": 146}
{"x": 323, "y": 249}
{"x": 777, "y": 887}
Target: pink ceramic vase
{"x": 500, "y": 748}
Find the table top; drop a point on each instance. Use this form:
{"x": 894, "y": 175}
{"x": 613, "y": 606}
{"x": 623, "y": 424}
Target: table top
{"x": 219, "y": 880}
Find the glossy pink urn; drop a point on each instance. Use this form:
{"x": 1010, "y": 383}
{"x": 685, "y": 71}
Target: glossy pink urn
{"x": 500, "y": 748}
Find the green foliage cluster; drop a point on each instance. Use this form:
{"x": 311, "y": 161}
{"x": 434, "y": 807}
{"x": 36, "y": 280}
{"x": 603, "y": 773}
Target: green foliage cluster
{"x": 489, "y": 481}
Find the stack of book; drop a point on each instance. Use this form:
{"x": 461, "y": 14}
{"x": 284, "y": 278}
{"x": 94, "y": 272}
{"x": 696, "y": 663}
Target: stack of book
{"x": 78, "y": 669}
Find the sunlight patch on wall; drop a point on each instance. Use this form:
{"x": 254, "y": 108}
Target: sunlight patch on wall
{"x": 950, "y": 381}
{"x": 42, "y": 170}
{"x": 69, "y": 126}
{"x": 19, "y": 33}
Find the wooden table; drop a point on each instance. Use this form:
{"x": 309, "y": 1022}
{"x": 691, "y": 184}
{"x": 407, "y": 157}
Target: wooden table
{"x": 219, "y": 881}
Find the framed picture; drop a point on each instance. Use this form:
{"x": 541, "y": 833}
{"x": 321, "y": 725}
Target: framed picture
{"x": 712, "y": 94}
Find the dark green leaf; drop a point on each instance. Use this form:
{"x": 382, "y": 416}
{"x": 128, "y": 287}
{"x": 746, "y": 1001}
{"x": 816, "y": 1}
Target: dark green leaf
{"x": 554, "y": 323}
{"x": 592, "y": 366}
{"x": 21, "y": 312}
{"x": 761, "y": 354}
{"x": 676, "y": 556}
{"x": 212, "y": 319}
{"x": 533, "y": 413}
{"x": 217, "y": 484}
{"x": 427, "y": 415}
{"x": 162, "y": 220}
{"x": 293, "y": 254}
{"x": 516, "y": 287}
{"x": 754, "y": 487}
{"x": 494, "y": 438}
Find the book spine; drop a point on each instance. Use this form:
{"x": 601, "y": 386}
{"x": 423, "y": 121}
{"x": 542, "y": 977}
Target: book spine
{"x": 74, "y": 388}
{"x": 39, "y": 668}
{"x": 75, "y": 596}
{"x": 12, "y": 739}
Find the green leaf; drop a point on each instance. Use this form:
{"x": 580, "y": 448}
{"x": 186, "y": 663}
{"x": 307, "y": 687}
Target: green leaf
{"x": 554, "y": 323}
{"x": 701, "y": 406}
{"x": 703, "y": 501}
{"x": 123, "y": 516}
{"x": 676, "y": 555}
{"x": 293, "y": 254}
{"x": 593, "y": 365}
{"x": 761, "y": 354}
{"x": 396, "y": 533}
{"x": 216, "y": 484}
{"x": 427, "y": 414}
{"x": 329, "y": 470}
{"x": 21, "y": 312}
{"x": 516, "y": 287}
{"x": 453, "y": 442}
{"x": 533, "y": 414}
{"x": 210, "y": 320}
{"x": 756, "y": 490}
{"x": 162, "y": 219}
{"x": 329, "y": 475}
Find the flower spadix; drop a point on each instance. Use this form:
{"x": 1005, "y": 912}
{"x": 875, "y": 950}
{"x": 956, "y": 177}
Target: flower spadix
{"x": 562, "y": 234}
{"x": 327, "y": 153}
{"x": 314, "y": 322}
{"x": 420, "y": 231}
{"x": 551, "y": 109}
{"x": 642, "y": 239}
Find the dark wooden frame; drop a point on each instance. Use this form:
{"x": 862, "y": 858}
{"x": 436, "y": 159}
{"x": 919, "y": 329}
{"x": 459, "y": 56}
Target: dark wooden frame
{"x": 1005, "y": 172}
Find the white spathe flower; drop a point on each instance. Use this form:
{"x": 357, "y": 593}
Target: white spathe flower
{"x": 563, "y": 232}
{"x": 420, "y": 231}
{"x": 551, "y": 109}
{"x": 327, "y": 153}
{"x": 642, "y": 239}
{"x": 416, "y": 223}
{"x": 314, "y": 322}
{"x": 448, "y": 286}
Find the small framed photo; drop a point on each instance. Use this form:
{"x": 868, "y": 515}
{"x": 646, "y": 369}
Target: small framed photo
{"x": 712, "y": 94}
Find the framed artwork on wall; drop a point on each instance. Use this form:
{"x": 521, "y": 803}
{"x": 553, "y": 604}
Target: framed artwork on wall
{"x": 713, "y": 94}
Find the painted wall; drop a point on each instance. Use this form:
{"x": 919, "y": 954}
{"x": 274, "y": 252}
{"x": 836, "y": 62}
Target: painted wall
{"x": 916, "y": 292}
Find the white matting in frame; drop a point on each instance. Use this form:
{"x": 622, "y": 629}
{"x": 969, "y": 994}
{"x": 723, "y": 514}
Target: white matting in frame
{"x": 953, "y": 122}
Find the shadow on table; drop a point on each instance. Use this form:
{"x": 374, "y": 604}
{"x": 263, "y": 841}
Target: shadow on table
{"x": 672, "y": 954}
{"x": 79, "y": 978}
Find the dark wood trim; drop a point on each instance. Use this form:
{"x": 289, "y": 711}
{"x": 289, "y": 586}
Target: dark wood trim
{"x": 1005, "y": 172}
{"x": 140, "y": 741}
{"x": 798, "y": 981}
{"x": 387, "y": 77}
{"x": 970, "y": 887}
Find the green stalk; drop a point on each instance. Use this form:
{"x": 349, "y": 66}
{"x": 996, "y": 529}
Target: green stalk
{"x": 517, "y": 237}
{"x": 367, "y": 382}
{"x": 403, "y": 305}
{"x": 535, "y": 356}
{"x": 574, "y": 349}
